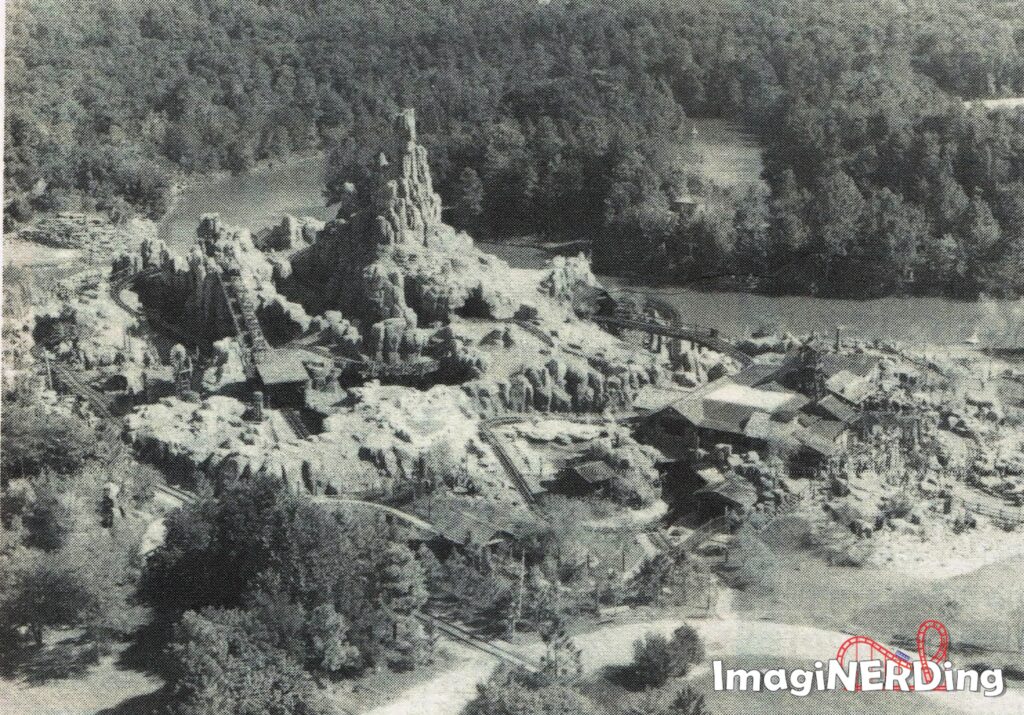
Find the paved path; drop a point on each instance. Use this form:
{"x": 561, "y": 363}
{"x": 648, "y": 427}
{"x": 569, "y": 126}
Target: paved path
{"x": 724, "y": 639}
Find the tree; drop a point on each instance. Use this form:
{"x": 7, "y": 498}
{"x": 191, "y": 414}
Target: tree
{"x": 35, "y": 439}
{"x": 838, "y": 205}
{"x": 686, "y": 648}
{"x": 220, "y": 669}
{"x": 652, "y": 660}
{"x": 980, "y": 236}
{"x": 787, "y": 227}
{"x": 687, "y": 702}
{"x": 397, "y": 588}
{"x": 329, "y": 646}
{"x": 751, "y": 564}
{"x": 470, "y": 199}
{"x": 48, "y": 517}
{"x": 562, "y": 659}
{"x": 49, "y": 592}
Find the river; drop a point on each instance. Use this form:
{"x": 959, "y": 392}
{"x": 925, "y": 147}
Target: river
{"x": 255, "y": 200}
{"x": 262, "y": 197}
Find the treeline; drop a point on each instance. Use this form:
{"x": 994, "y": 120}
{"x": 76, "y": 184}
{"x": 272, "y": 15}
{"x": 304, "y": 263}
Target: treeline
{"x": 879, "y": 179}
{"x": 566, "y": 118}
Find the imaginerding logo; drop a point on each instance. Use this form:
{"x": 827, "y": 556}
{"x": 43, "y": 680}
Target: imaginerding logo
{"x": 864, "y": 664}
{"x": 862, "y": 648}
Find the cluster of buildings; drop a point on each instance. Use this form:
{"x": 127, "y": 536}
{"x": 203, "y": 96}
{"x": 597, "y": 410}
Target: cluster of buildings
{"x": 803, "y": 412}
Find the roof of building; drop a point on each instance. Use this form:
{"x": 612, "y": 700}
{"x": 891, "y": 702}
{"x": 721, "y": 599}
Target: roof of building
{"x": 594, "y": 472}
{"x": 819, "y": 435}
{"x": 735, "y": 490}
{"x": 756, "y": 374}
{"x": 651, "y": 399}
{"x": 848, "y": 385}
{"x": 762, "y": 426}
{"x": 742, "y": 395}
{"x": 860, "y": 364}
{"x": 836, "y": 408}
{"x": 280, "y": 367}
{"x": 459, "y": 522}
{"x": 830, "y": 363}
{"x": 724, "y": 406}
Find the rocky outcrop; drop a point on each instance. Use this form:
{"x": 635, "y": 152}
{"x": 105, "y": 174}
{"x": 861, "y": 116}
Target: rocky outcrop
{"x": 225, "y": 365}
{"x": 389, "y": 439}
{"x": 190, "y": 291}
{"x": 394, "y": 340}
{"x": 290, "y": 234}
{"x": 338, "y": 331}
{"x": 565, "y": 275}
{"x": 562, "y": 386}
{"x": 394, "y": 257}
{"x": 404, "y": 202}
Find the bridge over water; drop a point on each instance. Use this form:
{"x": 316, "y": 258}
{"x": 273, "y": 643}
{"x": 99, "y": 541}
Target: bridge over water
{"x": 696, "y": 334}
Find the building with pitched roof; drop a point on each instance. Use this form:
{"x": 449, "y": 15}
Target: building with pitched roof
{"x": 802, "y": 407}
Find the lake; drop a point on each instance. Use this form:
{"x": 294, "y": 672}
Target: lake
{"x": 262, "y": 197}
{"x": 254, "y": 200}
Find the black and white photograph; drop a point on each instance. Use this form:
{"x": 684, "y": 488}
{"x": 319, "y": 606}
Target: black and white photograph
{"x": 512, "y": 357}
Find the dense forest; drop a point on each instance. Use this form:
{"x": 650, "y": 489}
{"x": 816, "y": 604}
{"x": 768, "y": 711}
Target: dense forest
{"x": 568, "y": 118}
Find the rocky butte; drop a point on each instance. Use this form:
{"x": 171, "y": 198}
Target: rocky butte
{"x": 391, "y": 334}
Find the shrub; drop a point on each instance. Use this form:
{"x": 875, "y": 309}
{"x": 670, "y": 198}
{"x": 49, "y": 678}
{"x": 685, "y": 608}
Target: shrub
{"x": 652, "y": 660}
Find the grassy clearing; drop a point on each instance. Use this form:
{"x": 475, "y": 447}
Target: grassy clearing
{"x": 983, "y": 609}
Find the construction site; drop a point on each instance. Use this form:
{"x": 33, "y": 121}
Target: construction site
{"x": 381, "y": 361}
{"x": 382, "y": 357}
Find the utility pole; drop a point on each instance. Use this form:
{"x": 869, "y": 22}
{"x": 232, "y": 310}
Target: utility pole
{"x": 518, "y": 613}
{"x": 49, "y": 370}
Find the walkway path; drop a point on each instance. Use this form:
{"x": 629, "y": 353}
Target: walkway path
{"x": 725, "y": 639}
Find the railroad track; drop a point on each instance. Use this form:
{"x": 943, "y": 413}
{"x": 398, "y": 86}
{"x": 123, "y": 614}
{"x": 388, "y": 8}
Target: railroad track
{"x": 99, "y": 401}
{"x": 462, "y": 635}
{"x": 101, "y": 405}
{"x": 514, "y": 473}
{"x": 294, "y": 420}
{"x": 408, "y": 518}
{"x": 183, "y": 496}
{"x": 120, "y": 282}
{"x": 692, "y": 333}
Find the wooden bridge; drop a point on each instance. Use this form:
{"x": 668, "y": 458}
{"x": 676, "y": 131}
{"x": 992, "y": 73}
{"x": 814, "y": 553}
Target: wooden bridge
{"x": 696, "y": 334}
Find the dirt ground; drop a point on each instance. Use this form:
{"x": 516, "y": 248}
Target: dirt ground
{"x": 104, "y": 688}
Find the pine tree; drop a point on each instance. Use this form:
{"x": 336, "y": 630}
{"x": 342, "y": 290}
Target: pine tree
{"x": 469, "y": 204}
{"x": 397, "y": 587}
{"x": 562, "y": 660}
{"x": 980, "y": 237}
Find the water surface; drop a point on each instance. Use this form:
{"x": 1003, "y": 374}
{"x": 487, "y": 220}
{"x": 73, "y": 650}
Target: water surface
{"x": 261, "y": 198}
{"x": 254, "y": 200}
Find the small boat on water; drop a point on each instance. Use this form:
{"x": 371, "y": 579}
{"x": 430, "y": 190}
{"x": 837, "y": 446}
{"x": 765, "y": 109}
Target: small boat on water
{"x": 974, "y": 339}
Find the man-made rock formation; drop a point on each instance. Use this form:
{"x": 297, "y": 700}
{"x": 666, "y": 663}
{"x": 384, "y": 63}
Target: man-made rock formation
{"x": 290, "y": 234}
{"x": 406, "y": 299}
{"x": 389, "y": 439}
{"x": 565, "y": 275}
{"x": 394, "y": 340}
{"x": 562, "y": 385}
{"x": 190, "y": 291}
{"x": 395, "y": 258}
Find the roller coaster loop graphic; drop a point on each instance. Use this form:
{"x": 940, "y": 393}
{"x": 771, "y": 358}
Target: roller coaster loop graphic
{"x": 859, "y": 648}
